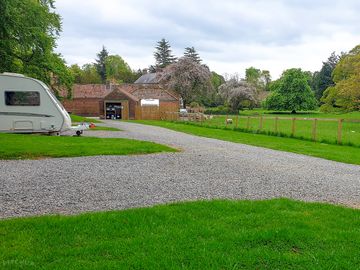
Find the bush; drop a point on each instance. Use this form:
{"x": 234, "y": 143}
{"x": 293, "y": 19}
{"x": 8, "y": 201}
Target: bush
{"x": 220, "y": 110}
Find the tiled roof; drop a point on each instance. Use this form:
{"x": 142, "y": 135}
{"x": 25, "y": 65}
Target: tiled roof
{"x": 147, "y": 78}
{"x": 91, "y": 90}
{"x": 132, "y": 91}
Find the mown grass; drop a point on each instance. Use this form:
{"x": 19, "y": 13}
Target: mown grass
{"x": 19, "y": 146}
{"x": 272, "y": 234}
{"x": 327, "y": 131}
{"x": 79, "y": 119}
{"x": 341, "y": 153}
{"x": 103, "y": 128}
{"x": 309, "y": 114}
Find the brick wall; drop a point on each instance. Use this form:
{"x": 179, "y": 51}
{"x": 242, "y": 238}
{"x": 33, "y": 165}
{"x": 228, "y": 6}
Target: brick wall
{"x": 83, "y": 106}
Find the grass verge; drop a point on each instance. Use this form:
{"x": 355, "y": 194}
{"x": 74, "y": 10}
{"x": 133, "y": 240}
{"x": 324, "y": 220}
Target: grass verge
{"x": 79, "y": 119}
{"x": 103, "y": 128}
{"x": 346, "y": 154}
{"x": 18, "y": 146}
{"x": 271, "y": 234}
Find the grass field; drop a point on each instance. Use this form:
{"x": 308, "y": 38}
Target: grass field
{"x": 310, "y": 114}
{"x": 79, "y": 119}
{"x": 273, "y": 234}
{"x": 326, "y": 131}
{"x": 17, "y": 146}
{"x": 103, "y": 128}
{"x": 341, "y": 153}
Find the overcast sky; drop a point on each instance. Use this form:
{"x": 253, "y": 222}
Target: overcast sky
{"x": 229, "y": 35}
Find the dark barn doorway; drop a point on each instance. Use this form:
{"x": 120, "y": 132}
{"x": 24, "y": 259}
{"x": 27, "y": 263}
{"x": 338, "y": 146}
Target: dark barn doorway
{"x": 113, "y": 110}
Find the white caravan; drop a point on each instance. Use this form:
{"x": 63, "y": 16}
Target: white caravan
{"x": 28, "y": 106}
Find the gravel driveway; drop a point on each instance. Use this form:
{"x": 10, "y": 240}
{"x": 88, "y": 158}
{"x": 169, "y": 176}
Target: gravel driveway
{"x": 205, "y": 169}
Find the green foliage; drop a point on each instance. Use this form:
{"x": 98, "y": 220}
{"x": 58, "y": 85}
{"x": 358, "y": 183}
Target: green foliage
{"x": 163, "y": 55}
{"x": 260, "y": 79}
{"x": 15, "y": 146}
{"x": 266, "y": 78}
{"x": 101, "y": 64}
{"x": 216, "y": 80}
{"x": 219, "y": 110}
{"x": 192, "y": 53}
{"x": 252, "y": 75}
{"x": 117, "y": 70}
{"x": 219, "y": 234}
{"x": 28, "y": 33}
{"x": 323, "y": 79}
{"x": 345, "y": 95}
{"x": 291, "y": 92}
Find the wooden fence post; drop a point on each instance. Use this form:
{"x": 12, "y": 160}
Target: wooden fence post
{"x": 261, "y": 123}
{"x": 237, "y": 120}
{"x": 314, "y": 130}
{"x": 339, "y": 135}
{"x": 276, "y": 124}
{"x": 293, "y": 126}
{"x": 248, "y": 123}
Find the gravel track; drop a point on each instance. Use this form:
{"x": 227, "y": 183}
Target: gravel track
{"x": 205, "y": 169}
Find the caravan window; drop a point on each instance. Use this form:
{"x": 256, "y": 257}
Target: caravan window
{"x": 22, "y": 98}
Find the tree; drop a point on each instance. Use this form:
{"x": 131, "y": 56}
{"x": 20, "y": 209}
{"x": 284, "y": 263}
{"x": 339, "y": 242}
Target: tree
{"x": 291, "y": 92}
{"x": 260, "y": 79}
{"x": 117, "y": 70}
{"x": 90, "y": 75}
{"x": 238, "y": 94}
{"x": 345, "y": 94}
{"x": 163, "y": 54}
{"x": 266, "y": 78}
{"x": 216, "y": 80}
{"x": 101, "y": 64}
{"x": 28, "y": 33}
{"x": 191, "y": 52}
{"x": 252, "y": 76}
{"x": 323, "y": 78}
{"x": 76, "y": 72}
{"x": 189, "y": 79}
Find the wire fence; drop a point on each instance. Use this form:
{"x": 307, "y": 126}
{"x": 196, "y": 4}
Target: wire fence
{"x": 326, "y": 130}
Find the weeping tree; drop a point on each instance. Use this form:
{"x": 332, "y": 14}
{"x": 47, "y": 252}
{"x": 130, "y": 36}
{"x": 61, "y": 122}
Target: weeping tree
{"x": 238, "y": 94}
{"x": 189, "y": 79}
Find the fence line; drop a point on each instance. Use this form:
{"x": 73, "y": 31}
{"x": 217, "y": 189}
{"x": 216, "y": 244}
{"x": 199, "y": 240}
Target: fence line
{"x": 316, "y": 131}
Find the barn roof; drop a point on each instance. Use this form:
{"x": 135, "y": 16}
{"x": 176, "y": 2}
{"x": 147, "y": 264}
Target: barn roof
{"x": 119, "y": 93}
{"x": 90, "y": 90}
{"x": 130, "y": 91}
{"x": 147, "y": 78}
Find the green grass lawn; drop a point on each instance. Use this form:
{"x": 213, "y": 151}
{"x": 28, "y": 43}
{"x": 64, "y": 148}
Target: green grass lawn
{"x": 327, "y": 131}
{"x": 346, "y": 154}
{"x": 19, "y": 146}
{"x": 79, "y": 119}
{"x": 272, "y": 234}
{"x": 103, "y": 128}
{"x": 309, "y": 114}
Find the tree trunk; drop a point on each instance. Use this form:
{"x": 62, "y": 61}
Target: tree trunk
{"x": 293, "y": 112}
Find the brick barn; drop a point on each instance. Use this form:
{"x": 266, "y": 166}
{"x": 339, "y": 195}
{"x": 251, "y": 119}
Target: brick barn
{"x": 142, "y": 100}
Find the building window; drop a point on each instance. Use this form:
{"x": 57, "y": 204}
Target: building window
{"x": 22, "y": 98}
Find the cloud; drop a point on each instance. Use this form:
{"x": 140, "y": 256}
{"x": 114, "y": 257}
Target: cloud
{"x": 229, "y": 35}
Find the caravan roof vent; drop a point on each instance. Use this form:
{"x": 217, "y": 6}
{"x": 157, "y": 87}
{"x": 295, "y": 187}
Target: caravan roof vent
{"x": 13, "y": 74}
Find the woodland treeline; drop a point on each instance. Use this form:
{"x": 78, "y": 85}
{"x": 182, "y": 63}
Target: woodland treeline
{"x": 29, "y": 31}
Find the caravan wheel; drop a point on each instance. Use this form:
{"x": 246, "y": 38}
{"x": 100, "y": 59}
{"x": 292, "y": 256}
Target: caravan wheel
{"x": 78, "y": 132}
